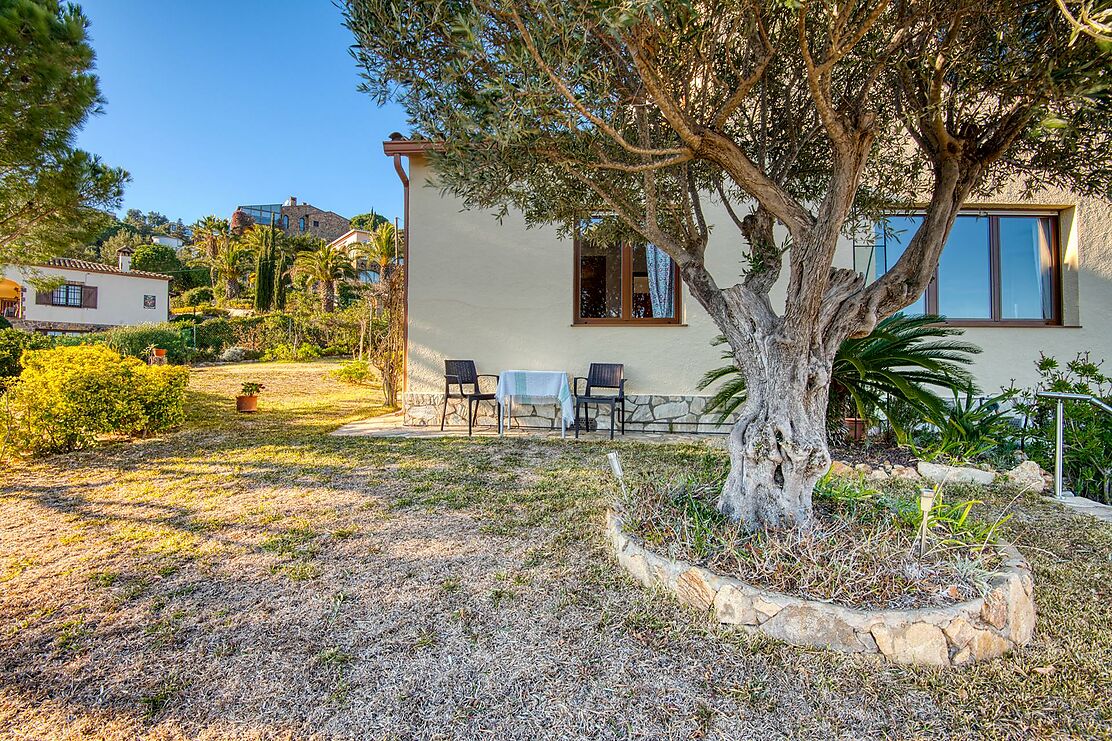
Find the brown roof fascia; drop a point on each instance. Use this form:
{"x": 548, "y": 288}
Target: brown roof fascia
{"x": 409, "y": 146}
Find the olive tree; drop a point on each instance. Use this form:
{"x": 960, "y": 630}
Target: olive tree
{"x": 802, "y": 120}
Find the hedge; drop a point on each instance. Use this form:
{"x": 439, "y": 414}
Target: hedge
{"x": 67, "y": 396}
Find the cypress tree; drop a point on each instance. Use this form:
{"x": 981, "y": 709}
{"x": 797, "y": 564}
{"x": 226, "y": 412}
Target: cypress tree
{"x": 264, "y": 277}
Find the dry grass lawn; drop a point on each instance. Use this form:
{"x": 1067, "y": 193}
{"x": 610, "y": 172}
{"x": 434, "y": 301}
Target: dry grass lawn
{"x": 254, "y": 577}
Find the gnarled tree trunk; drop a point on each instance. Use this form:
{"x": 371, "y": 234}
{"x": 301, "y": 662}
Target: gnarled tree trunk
{"x": 778, "y": 445}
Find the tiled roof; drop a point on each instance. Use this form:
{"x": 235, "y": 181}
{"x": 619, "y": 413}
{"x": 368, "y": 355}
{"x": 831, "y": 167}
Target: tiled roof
{"x": 95, "y": 267}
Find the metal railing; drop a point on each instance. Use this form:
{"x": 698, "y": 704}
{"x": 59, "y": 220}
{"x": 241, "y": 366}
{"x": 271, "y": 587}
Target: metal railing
{"x": 1060, "y": 398}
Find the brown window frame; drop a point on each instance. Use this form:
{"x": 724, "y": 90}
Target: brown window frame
{"x": 994, "y": 216}
{"x": 626, "y": 318}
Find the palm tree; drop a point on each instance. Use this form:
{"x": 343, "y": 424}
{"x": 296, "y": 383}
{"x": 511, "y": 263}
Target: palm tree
{"x": 209, "y": 232}
{"x": 324, "y": 267}
{"x": 382, "y": 248}
{"x": 904, "y": 359}
{"x": 229, "y": 267}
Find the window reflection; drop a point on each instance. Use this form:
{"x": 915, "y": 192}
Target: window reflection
{"x": 995, "y": 267}
{"x": 1026, "y": 268}
{"x": 891, "y": 243}
{"x": 964, "y": 287}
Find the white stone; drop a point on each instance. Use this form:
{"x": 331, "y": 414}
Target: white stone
{"x": 915, "y": 643}
{"x": 804, "y": 625}
{"x": 954, "y": 474}
{"x": 669, "y": 410}
{"x": 905, "y": 472}
{"x": 1027, "y": 476}
{"x": 1021, "y": 612}
{"x": 734, "y": 607}
{"x": 697, "y": 588}
{"x": 975, "y": 644}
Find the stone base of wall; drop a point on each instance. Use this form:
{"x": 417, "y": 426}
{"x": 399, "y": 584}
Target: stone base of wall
{"x": 644, "y": 413}
{"x": 954, "y": 635}
{"x": 36, "y": 325}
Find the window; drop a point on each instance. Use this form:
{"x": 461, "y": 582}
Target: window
{"x": 995, "y": 268}
{"x": 67, "y": 295}
{"x": 316, "y": 223}
{"x": 623, "y": 282}
{"x": 301, "y": 224}
{"x": 148, "y": 301}
{"x": 286, "y": 222}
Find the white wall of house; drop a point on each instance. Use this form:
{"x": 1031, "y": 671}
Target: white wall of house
{"x": 502, "y": 295}
{"x": 120, "y": 297}
{"x": 174, "y": 242}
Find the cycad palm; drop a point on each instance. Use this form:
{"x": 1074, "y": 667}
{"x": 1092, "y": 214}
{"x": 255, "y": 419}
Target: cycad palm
{"x": 324, "y": 267}
{"x": 904, "y": 358}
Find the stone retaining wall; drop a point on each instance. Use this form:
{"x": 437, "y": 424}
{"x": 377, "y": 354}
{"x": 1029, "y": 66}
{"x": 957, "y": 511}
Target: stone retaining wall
{"x": 644, "y": 412}
{"x": 954, "y": 635}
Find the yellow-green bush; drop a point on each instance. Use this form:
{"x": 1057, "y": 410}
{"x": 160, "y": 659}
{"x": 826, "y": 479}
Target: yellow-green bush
{"x": 67, "y": 396}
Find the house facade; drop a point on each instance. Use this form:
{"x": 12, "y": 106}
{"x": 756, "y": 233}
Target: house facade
{"x": 292, "y": 218}
{"x": 1022, "y": 277}
{"x": 366, "y": 270}
{"x": 91, "y": 296}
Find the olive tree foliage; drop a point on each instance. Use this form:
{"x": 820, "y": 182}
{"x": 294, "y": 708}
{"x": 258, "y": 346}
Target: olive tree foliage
{"x": 801, "y": 120}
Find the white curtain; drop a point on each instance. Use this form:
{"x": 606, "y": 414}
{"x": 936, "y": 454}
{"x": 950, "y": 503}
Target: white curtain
{"x": 662, "y": 279}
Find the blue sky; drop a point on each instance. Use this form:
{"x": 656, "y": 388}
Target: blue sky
{"x": 214, "y": 104}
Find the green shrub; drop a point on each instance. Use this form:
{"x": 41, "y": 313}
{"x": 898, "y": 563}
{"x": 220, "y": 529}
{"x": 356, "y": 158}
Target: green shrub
{"x": 353, "y": 372}
{"x": 1087, "y": 432}
{"x": 215, "y": 334}
{"x": 199, "y": 296}
{"x": 286, "y": 353}
{"x": 67, "y": 396}
{"x": 968, "y": 429}
{"x": 4, "y": 323}
{"x": 200, "y": 312}
{"x": 136, "y": 341}
{"x": 12, "y": 344}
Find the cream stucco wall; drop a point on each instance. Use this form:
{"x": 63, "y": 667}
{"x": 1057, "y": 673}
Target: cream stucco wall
{"x": 502, "y": 294}
{"x": 119, "y": 297}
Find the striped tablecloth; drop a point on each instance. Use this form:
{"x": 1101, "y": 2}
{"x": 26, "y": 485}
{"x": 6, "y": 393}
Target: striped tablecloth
{"x": 535, "y": 387}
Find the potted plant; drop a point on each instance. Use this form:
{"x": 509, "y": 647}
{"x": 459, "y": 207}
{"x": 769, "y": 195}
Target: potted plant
{"x": 856, "y": 428}
{"x": 156, "y": 352}
{"x": 248, "y": 400}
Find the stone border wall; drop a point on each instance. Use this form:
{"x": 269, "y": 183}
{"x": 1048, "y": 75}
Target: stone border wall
{"x": 954, "y": 635}
{"x": 644, "y": 413}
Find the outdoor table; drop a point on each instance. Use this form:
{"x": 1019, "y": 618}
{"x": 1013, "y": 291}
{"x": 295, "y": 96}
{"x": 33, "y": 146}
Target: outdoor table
{"x": 532, "y": 387}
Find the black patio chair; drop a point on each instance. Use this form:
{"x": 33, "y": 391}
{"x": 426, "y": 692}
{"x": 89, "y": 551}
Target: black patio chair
{"x": 461, "y": 374}
{"x": 601, "y": 376}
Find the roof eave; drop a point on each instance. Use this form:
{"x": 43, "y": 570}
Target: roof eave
{"x": 409, "y": 147}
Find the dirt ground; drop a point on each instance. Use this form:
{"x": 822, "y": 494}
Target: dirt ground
{"x": 253, "y": 577}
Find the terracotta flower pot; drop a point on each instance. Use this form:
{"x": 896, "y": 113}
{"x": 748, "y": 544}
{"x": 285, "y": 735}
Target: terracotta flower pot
{"x": 159, "y": 352}
{"x": 247, "y": 403}
{"x": 855, "y": 429}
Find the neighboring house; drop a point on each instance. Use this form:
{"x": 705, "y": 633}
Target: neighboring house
{"x": 292, "y": 218}
{"x": 165, "y": 239}
{"x": 1023, "y": 277}
{"x": 367, "y": 272}
{"x": 348, "y": 241}
{"x": 93, "y": 296}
